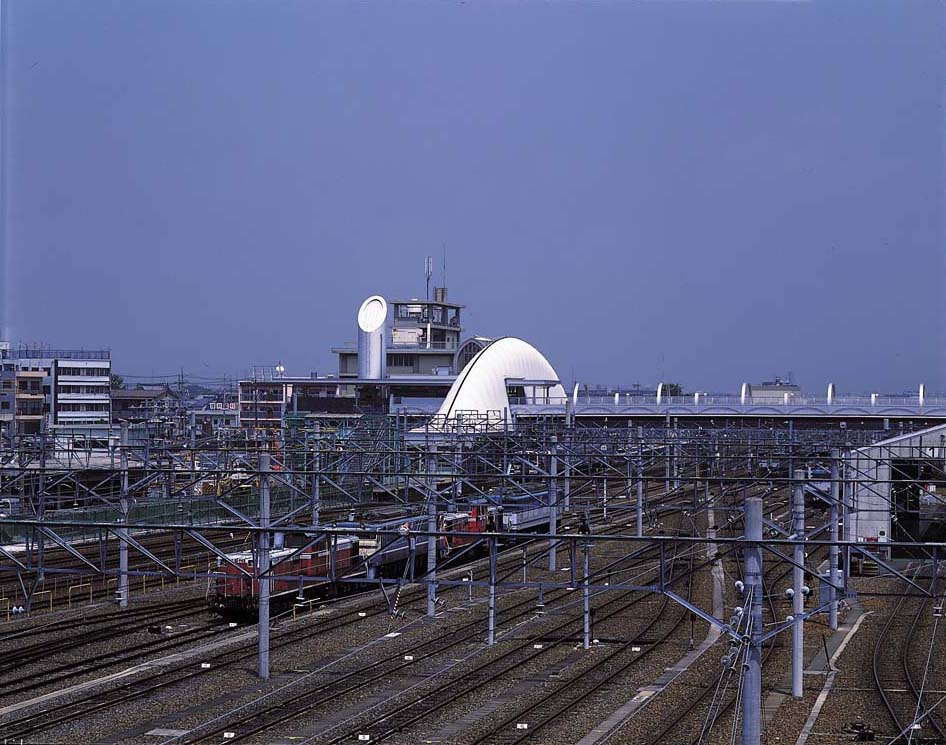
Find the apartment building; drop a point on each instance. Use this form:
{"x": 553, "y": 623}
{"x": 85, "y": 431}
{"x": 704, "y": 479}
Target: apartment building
{"x": 55, "y": 387}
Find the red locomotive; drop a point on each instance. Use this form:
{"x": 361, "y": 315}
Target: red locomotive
{"x": 236, "y": 595}
{"x": 474, "y": 521}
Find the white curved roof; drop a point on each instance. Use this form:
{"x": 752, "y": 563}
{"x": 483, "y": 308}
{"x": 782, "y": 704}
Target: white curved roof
{"x": 481, "y": 386}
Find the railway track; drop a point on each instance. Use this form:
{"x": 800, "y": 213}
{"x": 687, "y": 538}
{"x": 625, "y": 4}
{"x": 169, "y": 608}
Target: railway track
{"x": 260, "y": 722}
{"x": 55, "y": 592}
{"x": 894, "y": 678}
{"x": 423, "y": 705}
{"x": 63, "y": 713}
{"x": 714, "y": 701}
{"x": 557, "y": 703}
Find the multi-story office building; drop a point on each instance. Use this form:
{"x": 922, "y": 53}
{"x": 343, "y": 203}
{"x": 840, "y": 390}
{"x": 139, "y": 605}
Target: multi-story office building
{"x": 7, "y": 388}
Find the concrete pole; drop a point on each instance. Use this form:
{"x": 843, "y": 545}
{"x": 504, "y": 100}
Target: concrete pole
{"x": 123, "y": 512}
{"x": 586, "y": 597}
{"x": 791, "y": 448}
{"x": 457, "y": 465}
{"x": 431, "y": 553}
{"x": 553, "y": 506}
{"x": 676, "y": 468}
{"x": 833, "y": 550}
{"x": 567, "y": 484}
{"x": 263, "y": 566}
{"x": 491, "y": 617}
{"x": 752, "y": 681}
{"x": 629, "y": 483}
{"x": 667, "y": 460}
{"x": 640, "y": 490}
{"x": 847, "y": 492}
{"x": 316, "y": 478}
{"x": 798, "y": 580}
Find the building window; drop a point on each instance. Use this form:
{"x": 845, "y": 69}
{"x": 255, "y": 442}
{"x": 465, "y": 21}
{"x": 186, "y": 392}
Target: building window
{"x": 401, "y": 360}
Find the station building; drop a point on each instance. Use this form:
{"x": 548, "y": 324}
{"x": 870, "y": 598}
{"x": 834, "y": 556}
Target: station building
{"x": 407, "y": 355}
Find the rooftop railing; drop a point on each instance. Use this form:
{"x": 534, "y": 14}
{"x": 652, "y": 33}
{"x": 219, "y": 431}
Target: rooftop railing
{"x": 701, "y": 399}
{"x": 448, "y": 346}
{"x": 41, "y": 353}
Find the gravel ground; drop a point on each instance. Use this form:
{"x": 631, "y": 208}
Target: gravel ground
{"x": 322, "y": 658}
{"x": 223, "y": 682}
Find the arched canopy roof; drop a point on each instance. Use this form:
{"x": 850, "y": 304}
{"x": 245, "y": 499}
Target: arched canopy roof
{"x": 481, "y": 386}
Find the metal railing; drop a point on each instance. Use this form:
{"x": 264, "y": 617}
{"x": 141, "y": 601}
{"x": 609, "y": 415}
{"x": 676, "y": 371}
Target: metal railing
{"x": 622, "y": 399}
{"x": 40, "y": 353}
{"x": 444, "y": 345}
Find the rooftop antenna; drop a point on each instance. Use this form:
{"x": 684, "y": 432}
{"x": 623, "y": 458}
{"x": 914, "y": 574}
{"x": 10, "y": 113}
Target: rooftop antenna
{"x": 429, "y": 270}
{"x": 444, "y": 278}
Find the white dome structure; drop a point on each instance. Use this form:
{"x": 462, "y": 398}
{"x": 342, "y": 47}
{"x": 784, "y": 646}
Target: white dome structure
{"x": 481, "y": 388}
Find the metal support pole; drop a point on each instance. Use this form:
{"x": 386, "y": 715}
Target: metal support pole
{"x": 833, "y": 550}
{"x": 846, "y": 497}
{"x": 572, "y": 561}
{"x": 491, "y": 619}
{"x": 263, "y": 566}
{"x": 431, "y": 554}
{"x": 798, "y": 580}
{"x": 316, "y": 478}
{"x": 791, "y": 448}
{"x": 586, "y": 599}
{"x": 553, "y": 506}
{"x": 457, "y": 465}
{"x": 669, "y": 457}
{"x": 676, "y": 467}
{"x": 567, "y": 484}
{"x": 752, "y": 679}
{"x": 123, "y": 531}
{"x": 640, "y": 491}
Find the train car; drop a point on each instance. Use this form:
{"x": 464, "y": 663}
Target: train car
{"x": 520, "y": 512}
{"x": 236, "y": 596}
{"x": 387, "y": 555}
{"x": 527, "y": 519}
{"x": 472, "y": 522}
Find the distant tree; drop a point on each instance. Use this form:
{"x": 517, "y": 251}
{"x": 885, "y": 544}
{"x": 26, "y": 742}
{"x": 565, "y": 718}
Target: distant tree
{"x": 672, "y": 389}
{"x": 117, "y": 381}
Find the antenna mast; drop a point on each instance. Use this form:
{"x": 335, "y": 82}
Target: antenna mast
{"x": 429, "y": 270}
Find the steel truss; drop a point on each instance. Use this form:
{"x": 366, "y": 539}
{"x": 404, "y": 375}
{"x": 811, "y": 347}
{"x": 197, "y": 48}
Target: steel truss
{"x": 308, "y": 479}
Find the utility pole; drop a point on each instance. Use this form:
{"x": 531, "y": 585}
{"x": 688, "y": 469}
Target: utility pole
{"x": 262, "y": 567}
{"x": 833, "y": 550}
{"x": 553, "y": 502}
{"x": 123, "y": 516}
{"x": 316, "y": 475}
{"x": 798, "y": 580}
{"x": 752, "y": 679}
{"x": 586, "y": 595}
{"x": 431, "y": 539}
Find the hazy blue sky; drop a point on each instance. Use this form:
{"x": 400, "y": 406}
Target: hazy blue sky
{"x": 707, "y": 192}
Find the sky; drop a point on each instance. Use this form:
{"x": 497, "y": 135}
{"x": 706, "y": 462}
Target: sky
{"x": 702, "y": 192}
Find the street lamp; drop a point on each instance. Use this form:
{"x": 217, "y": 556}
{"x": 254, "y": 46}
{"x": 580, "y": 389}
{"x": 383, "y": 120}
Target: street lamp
{"x": 280, "y": 369}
